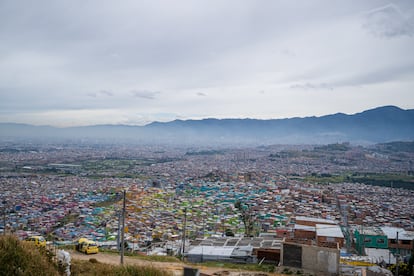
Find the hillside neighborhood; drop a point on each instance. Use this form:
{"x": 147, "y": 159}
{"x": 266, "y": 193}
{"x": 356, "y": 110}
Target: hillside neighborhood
{"x": 236, "y": 205}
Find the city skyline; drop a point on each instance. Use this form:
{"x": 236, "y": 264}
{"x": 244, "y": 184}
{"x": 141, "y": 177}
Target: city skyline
{"x": 87, "y": 63}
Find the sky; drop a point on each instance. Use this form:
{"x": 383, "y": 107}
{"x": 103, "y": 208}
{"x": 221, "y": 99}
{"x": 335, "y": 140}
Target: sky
{"x": 87, "y": 62}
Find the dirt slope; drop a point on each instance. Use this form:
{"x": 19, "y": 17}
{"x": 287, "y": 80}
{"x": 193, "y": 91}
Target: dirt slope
{"x": 176, "y": 268}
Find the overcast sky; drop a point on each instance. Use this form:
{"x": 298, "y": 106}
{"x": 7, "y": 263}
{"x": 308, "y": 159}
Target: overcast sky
{"x": 86, "y": 62}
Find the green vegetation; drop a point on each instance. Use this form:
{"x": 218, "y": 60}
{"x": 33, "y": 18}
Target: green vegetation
{"x": 250, "y": 267}
{"x": 397, "y": 147}
{"x": 326, "y": 178}
{"x": 247, "y": 217}
{"x": 285, "y": 154}
{"x": 287, "y": 271}
{"x": 204, "y": 152}
{"x": 388, "y": 180}
{"x": 171, "y": 259}
{"x": 403, "y": 269}
{"x": 93, "y": 168}
{"x": 168, "y": 259}
{"x": 333, "y": 147}
{"x": 21, "y": 258}
{"x": 119, "y": 168}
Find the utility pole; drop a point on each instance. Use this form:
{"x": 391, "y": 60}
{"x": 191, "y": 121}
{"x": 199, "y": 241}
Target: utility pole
{"x": 118, "y": 237}
{"x": 397, "y": 257}
{"x": 123, "y": 230}
{"x": 4, "y": 217}
{"x": 4, "y": 221}
{"x": 184, "y": 230}
{"x": 223, "y": 220}
{"x": 363, "y": 240}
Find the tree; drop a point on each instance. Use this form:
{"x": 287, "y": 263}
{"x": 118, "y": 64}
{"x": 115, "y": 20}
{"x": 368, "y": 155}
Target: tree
{"x": 411, "y": 263}
{"x": 247, "y": 217}
{"x": 229, "y": 233}
{"x": 403, "y": 269}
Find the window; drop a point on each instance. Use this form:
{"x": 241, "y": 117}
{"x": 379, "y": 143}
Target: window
{"x": 405, "y": 241}
{"x": 380, "y": 241}
{"x": 367, "y": 240}
{"x": 393, "y": 241}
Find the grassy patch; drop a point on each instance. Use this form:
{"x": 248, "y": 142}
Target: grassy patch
{"x": 389, "y": 180}
{"x": 377, "y": 179}
{"x": 326, "y": 178}
{"x": 169, "y": 259}
{"x": 93, "y": 267}
{"x": 23, "y": 258}
{"x": 250, "y": 267}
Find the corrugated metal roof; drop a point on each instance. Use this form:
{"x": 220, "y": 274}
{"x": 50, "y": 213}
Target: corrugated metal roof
{"x": 325, "y": 230}
{"x": 304, "y": 227}
{"x": 257, "y": 242}
{"x": 318, "y": 220}
{"x": 391, "y": 233}
{"x": 211, "y": 250}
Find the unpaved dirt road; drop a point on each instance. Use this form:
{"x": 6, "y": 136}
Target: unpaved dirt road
{"x": 175, "y": 268}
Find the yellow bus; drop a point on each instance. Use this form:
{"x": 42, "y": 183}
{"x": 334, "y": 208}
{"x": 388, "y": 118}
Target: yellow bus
{"x": 87, "y": 246}
{"x": 37, "y": 240}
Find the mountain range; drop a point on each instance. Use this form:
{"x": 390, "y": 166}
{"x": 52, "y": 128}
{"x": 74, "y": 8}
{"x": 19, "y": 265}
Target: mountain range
{"x": 378, "y": 125}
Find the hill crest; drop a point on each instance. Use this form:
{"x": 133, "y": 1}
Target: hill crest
{"x": 377, "y": 125}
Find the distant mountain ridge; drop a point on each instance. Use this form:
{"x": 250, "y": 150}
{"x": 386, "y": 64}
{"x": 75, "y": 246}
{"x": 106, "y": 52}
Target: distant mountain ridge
{"x": 378, "y": 125}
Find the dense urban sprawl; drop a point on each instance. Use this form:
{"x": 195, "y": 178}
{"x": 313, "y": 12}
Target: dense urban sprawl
{"x": 69, "y": 191}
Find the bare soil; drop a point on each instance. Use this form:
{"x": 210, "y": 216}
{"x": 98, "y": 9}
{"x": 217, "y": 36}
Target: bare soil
{"x": 175, "y": 268}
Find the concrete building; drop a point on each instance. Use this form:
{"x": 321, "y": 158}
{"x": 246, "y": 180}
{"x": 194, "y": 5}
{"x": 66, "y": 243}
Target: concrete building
{"x": 329, "y": 235}
{"x": 405, "y": 242}
{"x": 304, "y": 232}
{"x": 380, "y": 255}
{"x": 371, "y": 237}
{"x": 233, "y": 254}
{"x": 236, "y": 250}
{"x": 321, "y": 232}
{"x": 320, "y": 260}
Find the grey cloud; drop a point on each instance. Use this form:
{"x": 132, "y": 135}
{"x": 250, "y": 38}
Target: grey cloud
{"x": 312, "y": 86}
{"x": 389, "y": 21}
{"x": 367, "y": 77}
{"x": 378, "y": 76}
{"x": 101, "y": 93}
{"x": 288, "y": 53}
{"x": 58, "y": 58}
{"x": 106, "y": 93}
{"x": 144, "y": 94}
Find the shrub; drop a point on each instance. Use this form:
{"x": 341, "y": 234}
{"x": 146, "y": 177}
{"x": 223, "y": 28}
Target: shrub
{"x": 21, "y": 258}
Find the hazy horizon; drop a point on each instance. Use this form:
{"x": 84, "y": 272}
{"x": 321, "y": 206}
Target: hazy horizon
{"x": 207, "y": 118}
